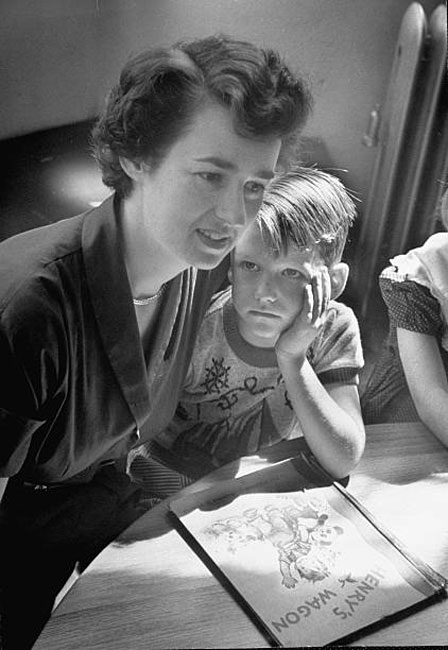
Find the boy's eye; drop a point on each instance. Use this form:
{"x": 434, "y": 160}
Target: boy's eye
{"x": 293, "y": 274}
{"x": 254, "y": 189}
{"x": 249, "y": 266}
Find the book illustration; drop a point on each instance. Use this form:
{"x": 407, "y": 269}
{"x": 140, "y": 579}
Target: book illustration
{"x": 310, "y": 574}
{"x": 298, "y": 530}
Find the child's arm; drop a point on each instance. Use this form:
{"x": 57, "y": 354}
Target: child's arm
{"x": 426, "y": 378}
{"x": 330, "y": 418}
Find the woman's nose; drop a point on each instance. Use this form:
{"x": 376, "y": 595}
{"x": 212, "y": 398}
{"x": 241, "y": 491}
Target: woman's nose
{"x": 232, "y": 208}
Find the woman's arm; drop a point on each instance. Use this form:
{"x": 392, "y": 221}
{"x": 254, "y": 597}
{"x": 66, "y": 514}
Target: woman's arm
{"x": 330, "y": 417}
{"x": 426, "y": 378}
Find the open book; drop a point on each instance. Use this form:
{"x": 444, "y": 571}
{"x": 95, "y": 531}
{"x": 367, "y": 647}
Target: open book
{"x": 302, "y": 555}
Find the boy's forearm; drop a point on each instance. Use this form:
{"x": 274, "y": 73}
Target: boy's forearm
{"x": 332, "y": 434}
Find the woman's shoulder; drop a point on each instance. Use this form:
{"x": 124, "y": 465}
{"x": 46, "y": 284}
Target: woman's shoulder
{"x": 31, "y": 266}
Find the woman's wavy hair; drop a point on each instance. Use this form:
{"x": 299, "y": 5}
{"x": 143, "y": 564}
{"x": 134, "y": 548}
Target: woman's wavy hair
{"x": 160, "y": 90}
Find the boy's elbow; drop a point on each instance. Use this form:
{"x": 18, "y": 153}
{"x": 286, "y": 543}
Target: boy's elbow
{"x": 345, "y": 468}
{"x": 358, "y": 447}
{"x": 351, "y": 455}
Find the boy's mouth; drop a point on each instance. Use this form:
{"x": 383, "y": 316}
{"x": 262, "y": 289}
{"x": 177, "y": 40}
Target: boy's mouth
{"x": 263, "y": 314}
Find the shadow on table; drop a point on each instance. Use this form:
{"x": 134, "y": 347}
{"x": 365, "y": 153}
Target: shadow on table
{"x": 286, "y": 467}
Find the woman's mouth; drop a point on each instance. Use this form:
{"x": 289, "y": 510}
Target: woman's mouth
{"x": 214, "y": 238}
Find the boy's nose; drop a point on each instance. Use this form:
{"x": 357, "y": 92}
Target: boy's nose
{"x": 265, "y": 291}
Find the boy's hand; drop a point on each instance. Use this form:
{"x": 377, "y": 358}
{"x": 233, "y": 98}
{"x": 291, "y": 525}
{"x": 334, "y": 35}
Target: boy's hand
{"x": 295, "y": 341}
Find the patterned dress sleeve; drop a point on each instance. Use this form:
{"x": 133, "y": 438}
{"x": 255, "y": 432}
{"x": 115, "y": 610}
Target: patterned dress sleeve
{"x": 411, "y": 306}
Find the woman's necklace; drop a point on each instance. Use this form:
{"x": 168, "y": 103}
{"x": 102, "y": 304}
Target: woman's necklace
{"x": 141, "y": 302}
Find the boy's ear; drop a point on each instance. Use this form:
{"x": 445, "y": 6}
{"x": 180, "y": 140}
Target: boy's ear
{"x": 230, "y": 271}
{"x": 133, "y": 168}
{"x": 338, "y": 277}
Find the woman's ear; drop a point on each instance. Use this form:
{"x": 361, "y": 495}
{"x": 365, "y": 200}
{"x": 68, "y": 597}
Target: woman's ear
{"x": 133, "y": 168}
{"x": 338, "y": 278}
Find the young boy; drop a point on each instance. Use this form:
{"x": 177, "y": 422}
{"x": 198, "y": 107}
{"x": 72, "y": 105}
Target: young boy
{"x": 276, "y": 356}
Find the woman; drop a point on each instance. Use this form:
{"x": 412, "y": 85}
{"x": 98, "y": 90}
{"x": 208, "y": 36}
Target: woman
{"x": 99, "y": 312}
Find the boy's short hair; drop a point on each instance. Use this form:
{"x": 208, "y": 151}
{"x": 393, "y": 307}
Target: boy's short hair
{"x": 307, "y": 207}
{"x": 161, "y": 89}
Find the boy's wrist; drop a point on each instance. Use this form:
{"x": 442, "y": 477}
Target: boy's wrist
{"x": 285, "y": 359}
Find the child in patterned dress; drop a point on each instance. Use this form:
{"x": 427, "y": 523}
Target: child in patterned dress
{"x": 277, "y": 356}
{"x": 409, "y": 381}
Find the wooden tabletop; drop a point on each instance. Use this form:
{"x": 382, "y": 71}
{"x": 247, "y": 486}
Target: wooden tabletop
{"x": 149, "y": 589}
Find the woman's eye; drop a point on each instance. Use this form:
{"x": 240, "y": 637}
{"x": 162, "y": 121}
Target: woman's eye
{"x": 210, "y": 177}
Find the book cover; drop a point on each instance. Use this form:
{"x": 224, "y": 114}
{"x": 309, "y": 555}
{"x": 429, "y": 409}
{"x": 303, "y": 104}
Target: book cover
{"x": 306, "y": 558}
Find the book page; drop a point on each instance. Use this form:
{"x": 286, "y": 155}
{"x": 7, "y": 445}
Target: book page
{"x": 302, "y": 566}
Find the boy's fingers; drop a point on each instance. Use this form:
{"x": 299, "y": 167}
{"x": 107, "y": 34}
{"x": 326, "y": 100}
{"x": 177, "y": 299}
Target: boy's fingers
{"x": 319, "y": 296}
{"x": 315, "y": 290}
{"x": 309, "y": 302}
{"x": 326, "y": 285}
{"x": 321, "y": 291}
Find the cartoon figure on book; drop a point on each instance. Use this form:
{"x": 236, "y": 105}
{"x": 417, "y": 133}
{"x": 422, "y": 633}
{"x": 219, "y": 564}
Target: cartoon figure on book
{"x": 277, "y": 356}
{"x": 410, "y": 379}
{"x": 299, "y": 531}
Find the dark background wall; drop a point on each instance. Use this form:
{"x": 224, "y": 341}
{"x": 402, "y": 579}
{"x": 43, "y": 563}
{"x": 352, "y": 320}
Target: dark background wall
{"x": 58, "y": 58}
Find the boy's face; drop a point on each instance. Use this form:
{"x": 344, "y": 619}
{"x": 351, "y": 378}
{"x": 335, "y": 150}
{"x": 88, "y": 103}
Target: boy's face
{"x": 268, "y": 290}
